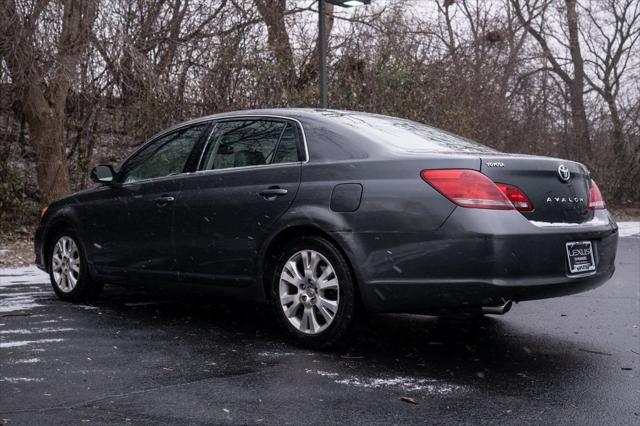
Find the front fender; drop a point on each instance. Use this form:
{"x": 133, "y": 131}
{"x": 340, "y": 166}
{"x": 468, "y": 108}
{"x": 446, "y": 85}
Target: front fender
{"x": 61, "y": 214}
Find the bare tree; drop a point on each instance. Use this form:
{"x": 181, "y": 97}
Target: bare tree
{"x": 613, "y": 31}
{"x": 518, "y": 75}
{"x": 533, "y": 16}
{"x": 41, "y": 86}
{"x": 274, "y": 13}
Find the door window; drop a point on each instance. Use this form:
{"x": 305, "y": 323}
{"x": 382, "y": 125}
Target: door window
{"x": 251, "y": 143}
{"x": 166, "y": 156}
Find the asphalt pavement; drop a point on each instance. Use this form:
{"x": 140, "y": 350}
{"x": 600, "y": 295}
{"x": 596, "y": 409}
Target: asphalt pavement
{"x": 143, "y": 358}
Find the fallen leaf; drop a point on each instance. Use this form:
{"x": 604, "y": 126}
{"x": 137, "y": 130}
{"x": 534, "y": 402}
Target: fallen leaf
{"x": 408, "y": 399}
{"x": 595, "y": 352}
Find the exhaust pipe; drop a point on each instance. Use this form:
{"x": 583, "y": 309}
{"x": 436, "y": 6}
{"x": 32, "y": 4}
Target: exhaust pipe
{"x": 497, "y": 310}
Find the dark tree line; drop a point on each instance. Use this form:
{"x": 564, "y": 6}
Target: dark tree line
{"x": 84, "y": 81}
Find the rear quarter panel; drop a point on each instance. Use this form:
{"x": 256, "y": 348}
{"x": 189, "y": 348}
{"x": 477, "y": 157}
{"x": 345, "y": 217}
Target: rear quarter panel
{"x": 396, "y": 205}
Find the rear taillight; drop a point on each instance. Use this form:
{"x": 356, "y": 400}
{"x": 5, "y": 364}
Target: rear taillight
{"x": 518, "y": 198}
{"x": 596, "y": 202}
{"x": 467, "y": 188}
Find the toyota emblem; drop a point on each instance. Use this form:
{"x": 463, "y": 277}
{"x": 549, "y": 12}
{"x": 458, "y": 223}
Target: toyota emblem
{"x": 564, "y": 173}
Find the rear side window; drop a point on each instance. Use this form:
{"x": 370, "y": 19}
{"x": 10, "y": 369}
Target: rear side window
{"x": 407, "y": 136}
{"x": 166, "y": 156}
{"x": 245, "y": 143}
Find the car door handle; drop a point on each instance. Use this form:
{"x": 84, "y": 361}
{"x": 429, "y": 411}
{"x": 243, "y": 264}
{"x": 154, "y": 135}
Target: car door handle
{"x": 164, "y": 200}
{"x": 273, "y": 192}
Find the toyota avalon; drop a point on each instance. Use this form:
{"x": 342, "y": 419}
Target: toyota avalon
{"x": 326, "y": 215}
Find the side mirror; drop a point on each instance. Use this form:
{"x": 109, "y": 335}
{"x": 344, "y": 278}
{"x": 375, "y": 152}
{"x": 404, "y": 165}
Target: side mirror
{"x": 102, "y": 173}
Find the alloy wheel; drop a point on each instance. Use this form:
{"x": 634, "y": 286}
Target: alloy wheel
{"x": 309, "y": 291}
{"x": 65, "y": 264}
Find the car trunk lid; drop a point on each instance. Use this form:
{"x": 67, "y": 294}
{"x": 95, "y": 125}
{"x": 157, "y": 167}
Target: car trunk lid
{"x": 558, "y": 189}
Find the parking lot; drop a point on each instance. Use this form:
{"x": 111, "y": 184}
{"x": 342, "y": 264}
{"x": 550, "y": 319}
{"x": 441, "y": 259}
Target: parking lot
{"x": 140, "y": 357}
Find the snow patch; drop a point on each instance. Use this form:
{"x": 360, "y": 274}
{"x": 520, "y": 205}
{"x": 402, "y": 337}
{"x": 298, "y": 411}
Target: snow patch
{"x": 27, "y": 342}
{"x": 21, "y": 276}
{"x": 16, "y": 331}
{"x": 322, "y": 373}
{"x": 407, "y": 384}
{"x": 26, "y": 277}
{"x": 629, "y": 229}
{"x": 20, "y": 379}
{"x": 18, "y": 303}
{"x": 37, "y": 330}
{"x": 27, "y": 361}
{"x": 275, "y": 354}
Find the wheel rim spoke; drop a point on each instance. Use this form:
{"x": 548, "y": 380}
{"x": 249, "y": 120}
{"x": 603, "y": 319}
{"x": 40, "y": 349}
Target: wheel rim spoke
{"x": 328, "y": 315}
{"x": 328, "y": 304}
{"x": 309, "y": 291}
{"x": 309, "y": 321}
{"x": 314, "y": 260}
{"x": 291, "y": 310}
{"x": 292, "y": 268}
{"x": 288, "y": 298}
{"x": 325, "y": 274}
{"x": 327, "y": 285}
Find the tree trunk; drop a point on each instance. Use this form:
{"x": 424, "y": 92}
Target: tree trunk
{"x": 576, "y": 87}
{"x": 44, "y": 91}
{"x": 46, "y": 135}
{"x": 618, "y": 129}
{"x": 273, "y": 13}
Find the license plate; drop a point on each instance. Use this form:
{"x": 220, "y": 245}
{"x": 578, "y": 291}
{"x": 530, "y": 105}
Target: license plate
{"x": 580, "y": 256}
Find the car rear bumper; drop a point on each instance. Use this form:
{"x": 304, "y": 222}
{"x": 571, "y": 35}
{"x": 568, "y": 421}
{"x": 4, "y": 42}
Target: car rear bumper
{"x": 476, "y": 258}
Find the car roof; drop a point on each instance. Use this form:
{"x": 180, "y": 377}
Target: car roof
{"x": 342, "y": 122}
{"x": 295, "y": 113}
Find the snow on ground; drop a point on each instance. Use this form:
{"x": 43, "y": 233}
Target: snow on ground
{"x": 20, "y": 288}
{"x": 407, "y": 384}
{"x": 22, "y": 276}
{"x": 629, "y": 229}
{"x": 19, "y": 343}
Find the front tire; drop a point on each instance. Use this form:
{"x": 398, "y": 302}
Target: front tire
{"x": 68, "y": 269}
{"x": 313, "y": 295}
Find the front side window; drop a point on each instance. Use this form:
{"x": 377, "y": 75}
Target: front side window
{"x": 163, "y": 157}
{"x": 251, "y": 143}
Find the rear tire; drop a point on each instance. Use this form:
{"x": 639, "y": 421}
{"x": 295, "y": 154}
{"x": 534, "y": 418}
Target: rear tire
{"x": 68, "y": 269}
{"x": 312, "y": 293}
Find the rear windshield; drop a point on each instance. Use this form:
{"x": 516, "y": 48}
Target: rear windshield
{"x": 408, "y": 136}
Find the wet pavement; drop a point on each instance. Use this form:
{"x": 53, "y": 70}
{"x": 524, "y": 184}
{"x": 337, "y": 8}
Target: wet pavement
{"x": 142, "y": 358}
